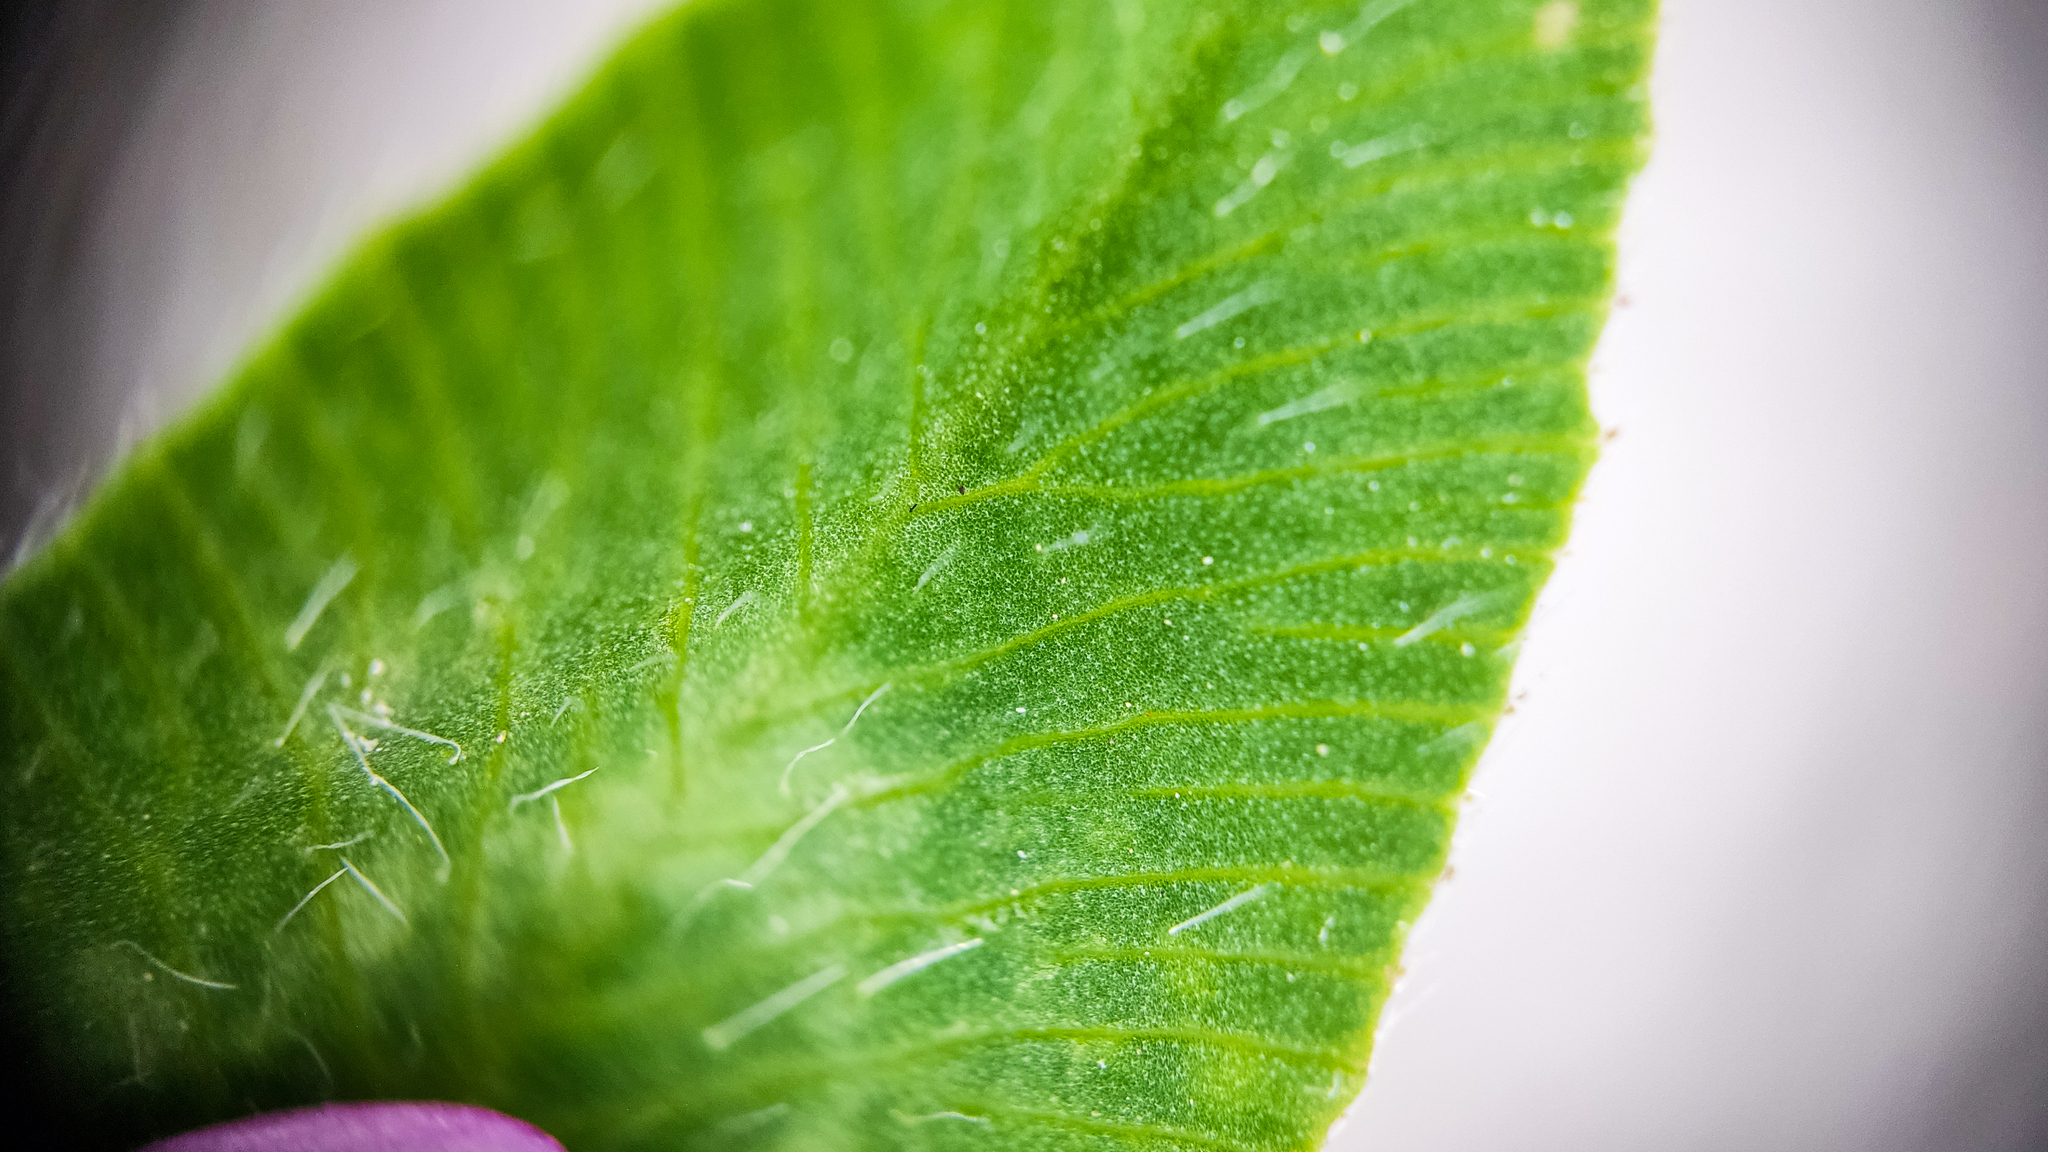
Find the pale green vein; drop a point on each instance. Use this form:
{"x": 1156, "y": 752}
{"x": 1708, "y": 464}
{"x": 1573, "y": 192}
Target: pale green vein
{"x": 1230, "y": 485}
{"x": 1086, "y": 1124}
{"x": 1167, "y": 395}
{"x": 1312, "y": 709}
{"x": 1327, "y": 963}
{"x": 1378, "y": 558}
{"x": 1503, "y": 160}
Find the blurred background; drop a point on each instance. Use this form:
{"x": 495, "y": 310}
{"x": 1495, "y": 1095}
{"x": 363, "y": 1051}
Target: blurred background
{"x": 1759, "y": 861}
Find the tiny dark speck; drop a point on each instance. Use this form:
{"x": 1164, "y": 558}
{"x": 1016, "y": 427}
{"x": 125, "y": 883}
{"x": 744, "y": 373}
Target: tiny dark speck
{"x": 963, "y": 490}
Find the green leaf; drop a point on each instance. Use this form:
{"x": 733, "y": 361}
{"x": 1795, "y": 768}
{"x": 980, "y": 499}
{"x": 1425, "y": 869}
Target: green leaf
{"x": 904, "y": 574}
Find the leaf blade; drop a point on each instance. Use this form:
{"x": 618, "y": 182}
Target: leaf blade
{"x": 1000, "y": 520}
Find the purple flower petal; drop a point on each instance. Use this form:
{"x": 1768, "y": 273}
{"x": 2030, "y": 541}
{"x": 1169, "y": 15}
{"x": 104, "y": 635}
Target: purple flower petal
{"x": 409, "y": 1127}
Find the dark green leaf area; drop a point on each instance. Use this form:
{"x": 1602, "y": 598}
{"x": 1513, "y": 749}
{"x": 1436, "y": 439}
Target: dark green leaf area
{"x": 903, "y": 574}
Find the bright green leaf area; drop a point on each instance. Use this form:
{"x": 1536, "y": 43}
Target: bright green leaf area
{"x": 968, "y": 549}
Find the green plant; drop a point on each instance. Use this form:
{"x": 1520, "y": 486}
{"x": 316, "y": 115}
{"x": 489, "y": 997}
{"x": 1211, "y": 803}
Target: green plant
{"x": 903, "y": 574}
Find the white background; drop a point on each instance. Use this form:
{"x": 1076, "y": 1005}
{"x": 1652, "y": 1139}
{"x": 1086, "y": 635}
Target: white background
{"x": 1760, "y": 860}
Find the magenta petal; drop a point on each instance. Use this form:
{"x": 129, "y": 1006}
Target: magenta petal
{"x": 368, "y": 1128}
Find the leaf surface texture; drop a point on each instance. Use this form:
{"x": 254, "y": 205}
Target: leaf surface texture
{"x": 903, "y": 574}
